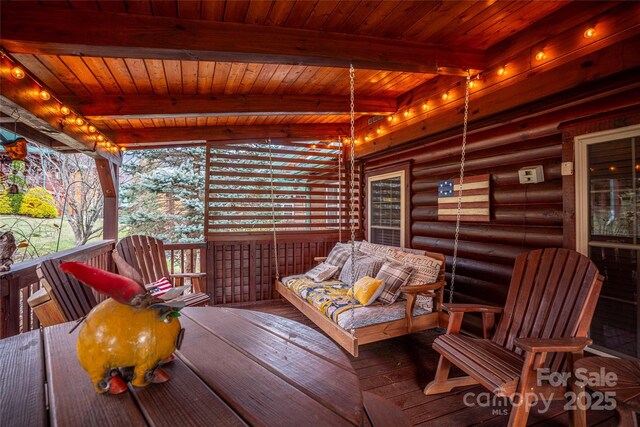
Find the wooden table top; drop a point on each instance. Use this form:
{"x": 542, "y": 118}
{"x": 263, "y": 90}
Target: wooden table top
{"x": 235, "y": 367}
{"x": 627, "y": 388}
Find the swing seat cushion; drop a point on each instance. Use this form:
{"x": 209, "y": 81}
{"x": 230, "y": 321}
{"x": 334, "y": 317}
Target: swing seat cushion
{"x": 332, "y": 300}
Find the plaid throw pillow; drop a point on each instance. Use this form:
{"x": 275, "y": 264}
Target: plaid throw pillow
{"x": 339, "y": 255}
{"x": 321, "y": 272}
{"x": 160, "y": 287}
{"x": 365, "y": 265}
{"x": 393, "y": 275}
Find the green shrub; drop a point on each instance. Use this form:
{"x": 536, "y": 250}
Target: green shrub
{"x": 38, "y": 203}
{"x": 10, "y": 203}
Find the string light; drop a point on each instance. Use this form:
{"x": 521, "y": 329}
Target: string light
{"x": 502, "y": 71}
{"x": 123, "y": 149}
{"x": 390, "y": 118}
{"x": 92, "y": 128}
{"x": 590, "y": 32}
{"x": 445, "y": 96}
{"x": 378, "y": 131}
{"x": 65, "y": 110}
{"x": 100, "y": 138}
{"x": 366, "y": 138}
{"x": 407, "y": 113}
{"x": 79, "y": 121}
{"x": 471, "y": 84}
{"x": 612, "y": 168}
{"x": 17, "y": 72}
{"x": 44, "y": 95}
{"x": 540, "y": 56}
{"x": 425, "y": 105}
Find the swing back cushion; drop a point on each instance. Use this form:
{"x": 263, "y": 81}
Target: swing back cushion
{"x": 365, "y": 265}
{"x": 339, "y": 255}
{"x": 366, "y": 290}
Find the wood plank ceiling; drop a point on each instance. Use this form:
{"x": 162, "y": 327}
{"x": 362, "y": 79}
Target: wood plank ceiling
{"x": 86, "y": 80}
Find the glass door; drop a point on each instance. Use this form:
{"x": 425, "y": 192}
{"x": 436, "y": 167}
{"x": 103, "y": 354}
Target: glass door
{"x": 613, "y": 241}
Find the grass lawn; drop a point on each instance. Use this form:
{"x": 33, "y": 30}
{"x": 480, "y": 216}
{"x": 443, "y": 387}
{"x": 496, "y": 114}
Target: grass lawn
{"x": 41, "y": 233}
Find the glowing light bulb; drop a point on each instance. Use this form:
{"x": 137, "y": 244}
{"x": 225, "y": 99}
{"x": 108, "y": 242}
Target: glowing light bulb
{"x": 378, "y": 131}
{"x": 407, "y": 113}
{"x": 445, "y": 96}
{"x": 79, "y": 121}
{"x": 100, "y": 138}
{"x": 314, "y": 146}
{"x": 425, "y": 105}
{"x": 123, "y": 149}
{"x": 92, "y": 128}
{"x": 65, "y": 110}
{"x": 540, "y": 56}
{"x": 612, "y": 168}
{"x": 502, "y": 71}
{"x": 471, "y": 84}
{"x": 390, "y": 118}
{"x": 590, "y": 32}
{"x": 44, "y": 95}
{"x": 17, "y": 72}
{"x": 366, "y": 138}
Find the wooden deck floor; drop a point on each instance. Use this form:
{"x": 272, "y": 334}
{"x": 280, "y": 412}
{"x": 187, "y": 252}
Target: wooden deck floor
{"x": 398, "y": 370}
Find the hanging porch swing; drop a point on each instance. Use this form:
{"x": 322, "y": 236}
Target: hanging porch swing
{"x": 350, "y": 338}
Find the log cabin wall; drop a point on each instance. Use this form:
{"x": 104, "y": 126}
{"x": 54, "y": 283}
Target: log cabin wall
{"x": 523, "y": 216}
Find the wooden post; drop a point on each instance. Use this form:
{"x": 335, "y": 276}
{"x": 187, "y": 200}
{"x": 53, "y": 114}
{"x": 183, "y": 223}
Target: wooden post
{"x": 108, "y": 174}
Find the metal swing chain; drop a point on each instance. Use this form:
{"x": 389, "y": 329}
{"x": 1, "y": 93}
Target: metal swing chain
{"x": 339, "y": 200}
{"x": 462, "y": 158}
{"x": 352, "y": 214}
{"x": 273, "y": 211}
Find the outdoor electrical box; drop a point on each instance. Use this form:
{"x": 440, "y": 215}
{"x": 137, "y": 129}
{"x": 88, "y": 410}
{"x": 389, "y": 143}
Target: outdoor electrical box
{"x": 531, "y": 175}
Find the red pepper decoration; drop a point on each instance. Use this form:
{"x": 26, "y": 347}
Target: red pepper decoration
{"x": 120, "y": 288}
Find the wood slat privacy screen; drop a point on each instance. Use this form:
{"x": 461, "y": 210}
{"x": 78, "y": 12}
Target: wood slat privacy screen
{"x": 310, "y": 187}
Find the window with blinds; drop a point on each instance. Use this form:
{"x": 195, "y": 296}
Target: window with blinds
{"x": 309, "y": 182}
{"x": 386, "y": 209}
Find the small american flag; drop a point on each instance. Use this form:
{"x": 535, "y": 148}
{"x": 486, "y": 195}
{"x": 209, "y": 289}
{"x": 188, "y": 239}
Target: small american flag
{"x": 475, "y": 205}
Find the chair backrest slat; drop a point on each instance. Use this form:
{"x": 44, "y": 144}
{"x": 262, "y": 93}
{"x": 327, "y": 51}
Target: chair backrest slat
{"x": 75, "y": 299}
{"x": 146, "y": 254}
{"x": 553, "y": 293}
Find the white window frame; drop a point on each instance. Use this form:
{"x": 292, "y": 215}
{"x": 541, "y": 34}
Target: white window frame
{"x": 403, "y": 196}
{"x": 581, "y": 144}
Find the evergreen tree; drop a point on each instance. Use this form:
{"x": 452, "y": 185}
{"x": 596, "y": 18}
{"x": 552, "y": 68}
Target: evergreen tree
{"x": 162, "y": 193}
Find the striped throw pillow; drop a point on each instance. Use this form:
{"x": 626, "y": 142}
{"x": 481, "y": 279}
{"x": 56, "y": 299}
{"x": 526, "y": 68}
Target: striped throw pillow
{"x": 160, "y": 286}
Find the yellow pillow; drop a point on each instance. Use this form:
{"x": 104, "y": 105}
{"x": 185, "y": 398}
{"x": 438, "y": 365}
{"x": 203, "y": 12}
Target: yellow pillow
{"x": 367, "y": 290}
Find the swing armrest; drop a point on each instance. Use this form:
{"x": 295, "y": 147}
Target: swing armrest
{"x": 417, "y": 289}
{"x": 319, "y": 259}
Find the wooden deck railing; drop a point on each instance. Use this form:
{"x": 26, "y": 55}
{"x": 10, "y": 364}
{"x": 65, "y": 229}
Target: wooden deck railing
{"x": 18, "y": 284}
{"x": 239, "y": 267}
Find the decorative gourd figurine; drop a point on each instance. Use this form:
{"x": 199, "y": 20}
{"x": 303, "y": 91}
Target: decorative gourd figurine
{"x": 132, "y": 330}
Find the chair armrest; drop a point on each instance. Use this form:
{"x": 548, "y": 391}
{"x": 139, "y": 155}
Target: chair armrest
{"x": 471, "y": 308}
{"x": 422, "y": 288}
{"x": 553, "y": 345}
{"x": 319, "y": 259}
{"x": 188, "y": 274}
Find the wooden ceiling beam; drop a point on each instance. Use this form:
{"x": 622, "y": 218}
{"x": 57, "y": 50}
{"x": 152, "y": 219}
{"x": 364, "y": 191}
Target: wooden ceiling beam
{"x": 130, "y": 138}
{"x": 36, "y": 29}
{"x": 20, "y": 98}
{"x": 164, "y": 106}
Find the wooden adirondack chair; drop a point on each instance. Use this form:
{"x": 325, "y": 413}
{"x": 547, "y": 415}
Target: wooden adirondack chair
{"x": 71, "y": 297}
{"x": 147, "y": 255}
{"x": 544, "y": 324}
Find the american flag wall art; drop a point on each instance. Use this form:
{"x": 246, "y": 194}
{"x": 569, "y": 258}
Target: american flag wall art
{"x": 476, "y": 204}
